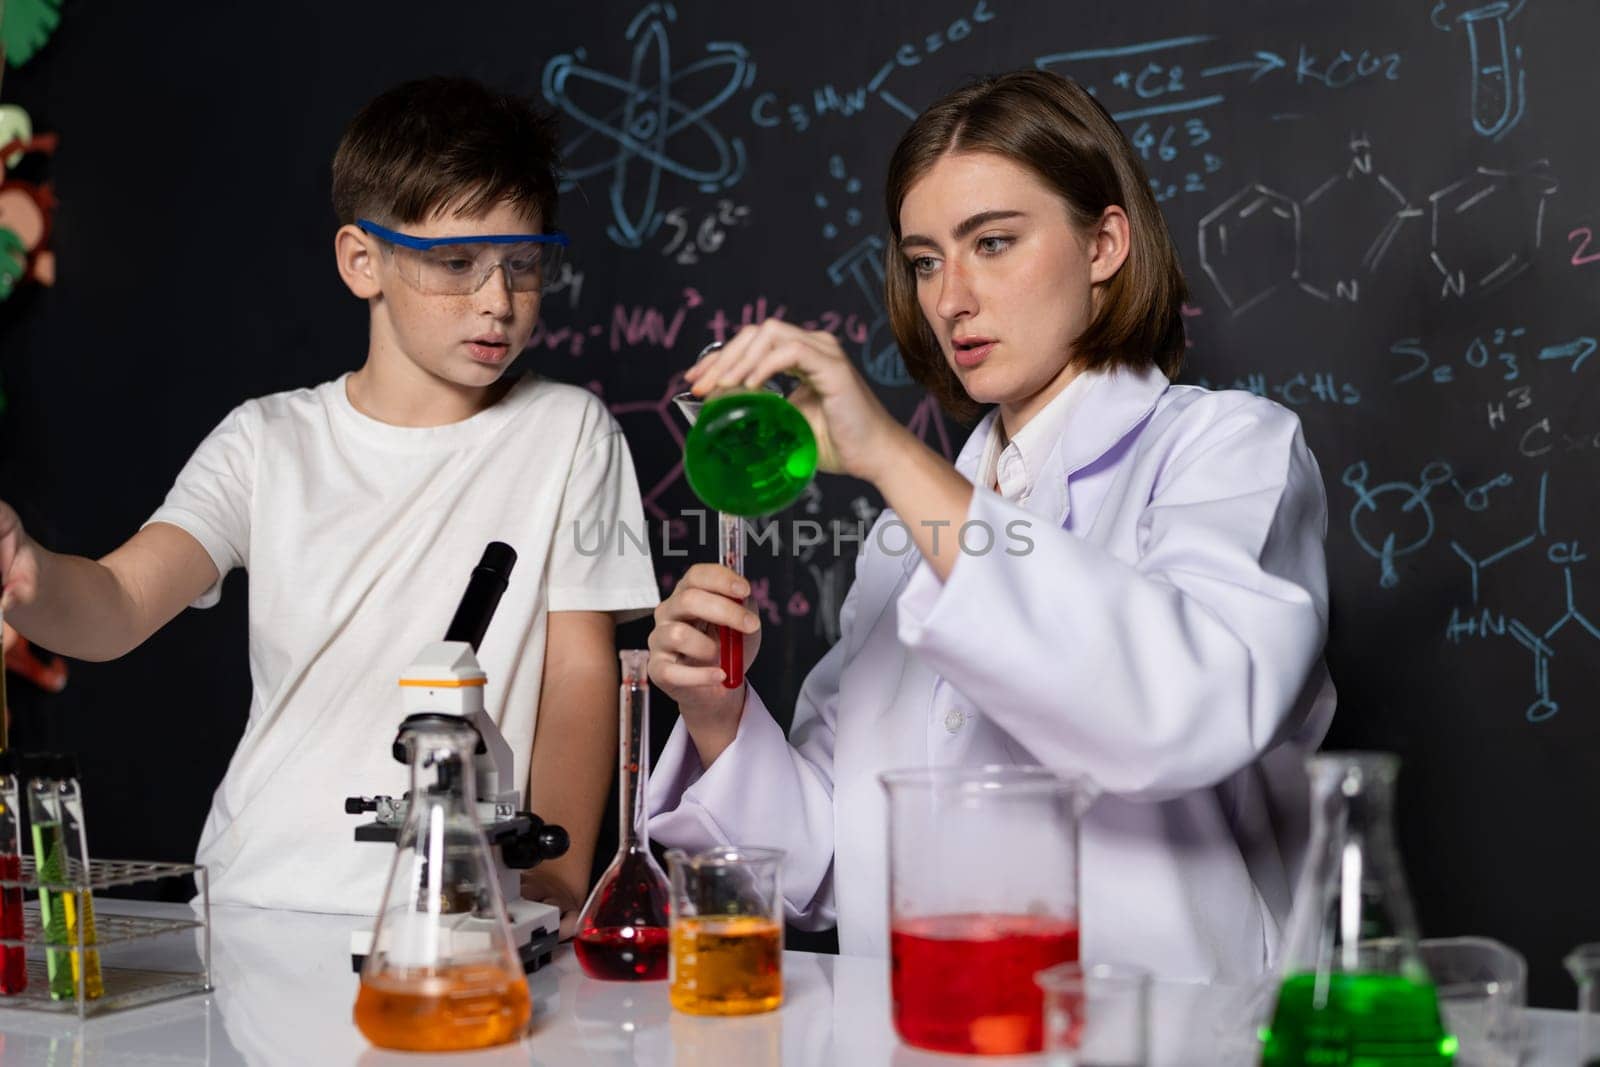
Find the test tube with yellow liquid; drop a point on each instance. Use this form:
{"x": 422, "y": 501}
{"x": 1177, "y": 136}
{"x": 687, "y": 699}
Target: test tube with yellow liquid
{"x": 80, "y": 903}
{"x": 727, "y": 931}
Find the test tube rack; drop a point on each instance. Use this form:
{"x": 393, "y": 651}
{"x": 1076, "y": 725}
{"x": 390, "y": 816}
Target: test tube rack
{"x": 144, "y": 958}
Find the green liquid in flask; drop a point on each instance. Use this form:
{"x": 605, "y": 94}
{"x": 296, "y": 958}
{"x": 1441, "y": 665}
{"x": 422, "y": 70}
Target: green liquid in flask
{"x": 1362, "y": 1020}
{"x": 749, "y": 454}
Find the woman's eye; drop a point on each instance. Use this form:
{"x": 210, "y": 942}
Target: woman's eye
{"x": 456, "y": 266}
{"x": 990, "y": 246}
{"x": 924, "y": 265}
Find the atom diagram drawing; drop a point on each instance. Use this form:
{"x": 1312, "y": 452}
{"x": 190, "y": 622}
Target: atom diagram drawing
{"x": 651, "y": 125}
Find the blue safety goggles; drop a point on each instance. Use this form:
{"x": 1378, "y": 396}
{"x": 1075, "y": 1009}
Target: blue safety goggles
{"x": 456, "y": 266}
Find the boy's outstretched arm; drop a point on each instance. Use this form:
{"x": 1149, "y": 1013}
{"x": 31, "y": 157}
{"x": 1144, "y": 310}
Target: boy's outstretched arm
{"x": 99, "y": 610}
{"x": 574, "y": 752}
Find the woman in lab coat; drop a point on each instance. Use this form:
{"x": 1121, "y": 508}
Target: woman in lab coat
{"x": 1119, "y": 577}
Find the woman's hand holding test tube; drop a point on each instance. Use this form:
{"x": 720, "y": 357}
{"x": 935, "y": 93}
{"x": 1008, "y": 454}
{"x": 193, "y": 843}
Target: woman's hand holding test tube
{"x": 685, "y": 657}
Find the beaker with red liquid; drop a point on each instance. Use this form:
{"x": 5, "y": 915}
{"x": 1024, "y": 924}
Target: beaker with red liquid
{"x": 622, "y": 930}
{"x": 983, "y": 894}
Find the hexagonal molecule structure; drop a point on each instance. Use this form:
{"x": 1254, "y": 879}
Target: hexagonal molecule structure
{"x": 1347, "y": 225}
{"x": 1250, "y": 246}
{"x": 1487, "y": 226}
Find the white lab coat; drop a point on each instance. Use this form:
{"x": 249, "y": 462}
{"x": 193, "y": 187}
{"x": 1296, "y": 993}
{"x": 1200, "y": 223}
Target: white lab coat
{"x": 1163, "y": 636}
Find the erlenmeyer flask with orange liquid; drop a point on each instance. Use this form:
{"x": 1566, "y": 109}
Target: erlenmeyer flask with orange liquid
{"x": 439, "y": 976}
{"x": 622, "y": 930}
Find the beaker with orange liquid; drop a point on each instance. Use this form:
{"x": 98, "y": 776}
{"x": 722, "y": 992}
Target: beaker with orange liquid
{"x": 442, "y": 974}
{"x": 727, "y": 930}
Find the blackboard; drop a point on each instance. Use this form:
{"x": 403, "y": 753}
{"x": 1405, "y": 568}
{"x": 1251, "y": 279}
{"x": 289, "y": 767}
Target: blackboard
{"x": 1387, "y": 214}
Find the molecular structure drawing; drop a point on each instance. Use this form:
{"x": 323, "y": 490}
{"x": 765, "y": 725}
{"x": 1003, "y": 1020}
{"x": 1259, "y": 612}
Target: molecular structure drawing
{"x": 1484, "y": 230}
{"x": 636, "y": 130}
{"x": 1481, "y": 622}
{"x": 1393, "y": 520}
{"x": 1490, "y": 250}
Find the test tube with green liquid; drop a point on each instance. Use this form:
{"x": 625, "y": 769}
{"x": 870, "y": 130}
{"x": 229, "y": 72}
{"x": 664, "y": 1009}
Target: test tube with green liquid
{"x": 50, "y": 866}
{"x": 66, "y": 907}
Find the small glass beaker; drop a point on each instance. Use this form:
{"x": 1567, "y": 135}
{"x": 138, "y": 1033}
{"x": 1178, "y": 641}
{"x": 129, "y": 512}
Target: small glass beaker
{"x": 983, "y": 894}
{"x": 1354, "y": 985}
{"x": 443, "y": 974}
{"x": 1483, "y": 992}
{"x": 1096, "y": 1015}
{"x": 727, "y": 930}
{"x": 1583, "y": 963}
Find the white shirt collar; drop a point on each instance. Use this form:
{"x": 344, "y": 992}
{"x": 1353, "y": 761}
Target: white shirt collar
{"x": 1014, "y": 468}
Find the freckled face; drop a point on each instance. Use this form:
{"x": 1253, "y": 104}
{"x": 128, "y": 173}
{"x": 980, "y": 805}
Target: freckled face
{"x": 468, "y": 340}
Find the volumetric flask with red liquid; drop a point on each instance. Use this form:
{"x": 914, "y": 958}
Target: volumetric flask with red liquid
{"x": 983, "y": 894}
{"x": 622, "y": 931}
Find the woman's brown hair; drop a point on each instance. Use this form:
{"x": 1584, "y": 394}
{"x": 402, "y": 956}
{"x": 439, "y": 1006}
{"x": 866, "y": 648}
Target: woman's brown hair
{"x": 1050, "y": 125}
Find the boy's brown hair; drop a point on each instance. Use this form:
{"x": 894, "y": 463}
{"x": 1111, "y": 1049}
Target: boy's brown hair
{"x": 1050, "y": 125}
{"x": 446, "y": 144}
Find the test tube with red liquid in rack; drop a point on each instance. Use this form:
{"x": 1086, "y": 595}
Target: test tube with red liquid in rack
{"x": 13, "y": 957}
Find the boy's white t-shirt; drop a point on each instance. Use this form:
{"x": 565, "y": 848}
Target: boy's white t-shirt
{"x": 359, "y": 538}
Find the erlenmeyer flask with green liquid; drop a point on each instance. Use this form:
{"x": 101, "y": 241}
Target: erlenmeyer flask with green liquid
{"x": 749, "y": 452}
{"x": 1354, "y": 990}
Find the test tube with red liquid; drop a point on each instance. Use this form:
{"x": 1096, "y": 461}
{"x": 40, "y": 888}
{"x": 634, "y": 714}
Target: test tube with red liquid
{"x": 730, "y": 641}
{"x": 13, "y": 957}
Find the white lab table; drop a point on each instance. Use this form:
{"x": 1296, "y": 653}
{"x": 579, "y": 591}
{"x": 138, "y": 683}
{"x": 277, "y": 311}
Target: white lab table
{"x": 283, "y": 990}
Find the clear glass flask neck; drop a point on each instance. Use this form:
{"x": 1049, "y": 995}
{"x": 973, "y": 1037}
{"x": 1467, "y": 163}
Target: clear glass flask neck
{"x": 1353, "y": 912}
{"x": 633, "y": 753}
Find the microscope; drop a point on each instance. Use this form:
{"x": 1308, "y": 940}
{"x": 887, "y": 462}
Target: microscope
{"x": 445, "y": 681}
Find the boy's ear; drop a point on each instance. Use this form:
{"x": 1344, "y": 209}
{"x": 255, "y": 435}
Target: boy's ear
{"x": 356, "y": 252}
